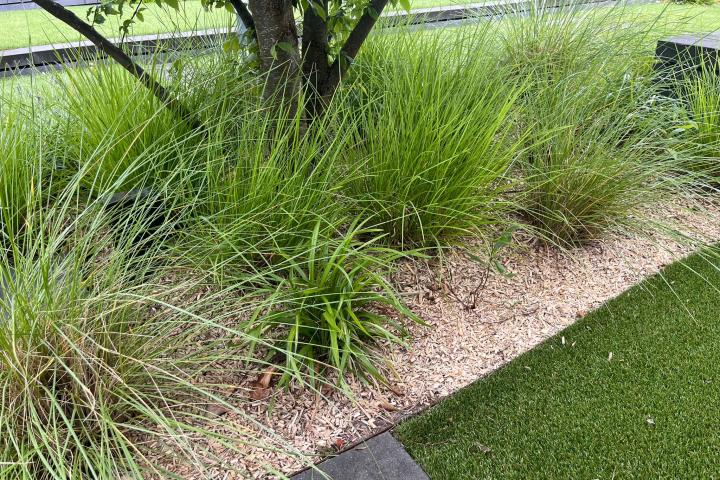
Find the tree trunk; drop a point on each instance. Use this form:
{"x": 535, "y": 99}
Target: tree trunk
{"x": 315, "y": 51}
{"x": 277, "y": 38}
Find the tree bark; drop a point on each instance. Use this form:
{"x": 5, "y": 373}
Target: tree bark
{"x": 277, "y": 38}
{"x": 117, "y": 54}
{"x": 315, "y": 51}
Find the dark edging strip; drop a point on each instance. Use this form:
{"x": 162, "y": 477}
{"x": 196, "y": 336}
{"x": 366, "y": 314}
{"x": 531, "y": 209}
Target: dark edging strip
{"x": 22, "y": 60}
{"x": 386, "y": 429}
{"x": 381, "y": 457}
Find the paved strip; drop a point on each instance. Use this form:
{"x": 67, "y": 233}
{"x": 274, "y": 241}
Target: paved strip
{"x": 379, "y": 458}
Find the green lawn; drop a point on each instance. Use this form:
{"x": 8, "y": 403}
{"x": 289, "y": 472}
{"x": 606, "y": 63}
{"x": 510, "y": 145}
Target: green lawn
{"x": 686, "y": 18}
{"x": 35, "y": 27}
{"x": 633, "y": 392}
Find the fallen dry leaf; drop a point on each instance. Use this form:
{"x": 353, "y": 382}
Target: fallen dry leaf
{"x": 396, "y": 389}
{"x": 479, "y": 447}
{"x": 260, "y": 393}
{"x": 339, "y": 444}
{"x": 388, "y": 406}
{"x": 217, "y": 409}
{"x": 262, "y": 385}
{"x": 266, "y": 378}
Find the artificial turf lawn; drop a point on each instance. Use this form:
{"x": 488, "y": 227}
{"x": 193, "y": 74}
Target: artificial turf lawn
{"x": 35, "y": 27}
{"x": 570, "y": 410}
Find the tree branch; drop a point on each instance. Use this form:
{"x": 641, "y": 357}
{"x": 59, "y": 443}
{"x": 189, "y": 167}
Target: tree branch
{"x": 117, "y": 54}
{"x": 352, "y": 45}
{"x": 244, "y": 14}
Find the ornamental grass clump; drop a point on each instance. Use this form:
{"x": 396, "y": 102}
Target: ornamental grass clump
{"x": 113, "y": 125}
{"x": 27, "y": 168}
{"x": 550, "y": 43}
{"x": 700, "y": 137}
{"x": 431, "y": 143}
{"x": 596, "y": 132}
{"x": 21, "y": 171}
{"x": 268, "y": 182}
{"x": 547, "y": 44}
{"x": 72, "y": 367}
{"x": 274, "y": 202}
{"x": 591, "y": 164}
{"x": 102, "y": 361}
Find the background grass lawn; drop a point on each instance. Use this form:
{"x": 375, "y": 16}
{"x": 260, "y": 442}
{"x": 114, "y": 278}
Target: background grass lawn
{"x": 35, "y": 27}
{"x": 633, "y": 392}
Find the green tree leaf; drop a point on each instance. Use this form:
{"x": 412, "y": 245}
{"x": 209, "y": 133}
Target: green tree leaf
{"x": 285, "y": 47}
{"x": 319, "y": 10}
{"x": 232, "y": 44}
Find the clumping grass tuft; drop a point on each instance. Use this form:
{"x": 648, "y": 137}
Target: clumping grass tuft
{"x": 700, "y": 95}
{"x": 546, "y": 45}
{"x": 267, "y": 184}
{"x": 21, "y": 170}
{"x": 115, "y": 128}
{"x": 594, "y": 127}
{"x": 430, "y": 138}
{"x": 591, "y": 164}
{"x": 100, "y": 359}
{"x": 273, "y": 200}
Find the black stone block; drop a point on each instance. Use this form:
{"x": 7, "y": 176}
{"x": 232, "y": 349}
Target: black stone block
{"x": 379, "y": 458}
{"x": 684, "y": 56}
{"x": 690, "y": 50}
